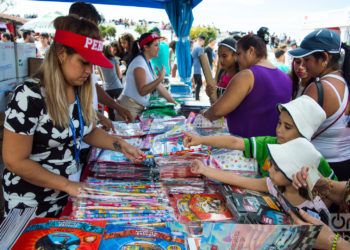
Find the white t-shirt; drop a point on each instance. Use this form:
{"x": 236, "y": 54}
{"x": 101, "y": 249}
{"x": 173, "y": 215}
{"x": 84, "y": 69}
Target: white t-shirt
{"x": 130, "y": 88}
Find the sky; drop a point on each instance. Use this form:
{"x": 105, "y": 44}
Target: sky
{"x": 233, "y": 15}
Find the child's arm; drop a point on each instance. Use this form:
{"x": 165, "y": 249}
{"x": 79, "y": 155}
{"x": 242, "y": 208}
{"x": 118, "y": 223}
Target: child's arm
{"x": 227, "y": 177}
{"x": 325, "y": 170}
{"x": 220, "y": 141}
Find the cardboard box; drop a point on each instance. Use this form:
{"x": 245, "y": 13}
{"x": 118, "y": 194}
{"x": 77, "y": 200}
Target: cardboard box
{"x": 23, "y": 52}
{"x": 33, "y": 65}
{"x": 6, "y": 89}
{"x": 7, "y": 61}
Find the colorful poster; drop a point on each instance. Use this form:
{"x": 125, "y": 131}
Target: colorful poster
{"x": 200, "y": 207}
{"x": 137, "y": 238}
{"x": 47, "y": 233}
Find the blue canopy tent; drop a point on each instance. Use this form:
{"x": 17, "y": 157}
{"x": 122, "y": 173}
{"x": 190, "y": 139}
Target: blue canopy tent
{"x": 181, "y": 19}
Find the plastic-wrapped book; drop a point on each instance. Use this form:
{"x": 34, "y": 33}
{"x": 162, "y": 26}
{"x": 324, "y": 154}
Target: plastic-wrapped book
{"x": 13, "y": 225}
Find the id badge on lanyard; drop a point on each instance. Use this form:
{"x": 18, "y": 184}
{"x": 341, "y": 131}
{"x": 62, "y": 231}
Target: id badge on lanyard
{"x": 77, "y": 148}
{"x": 150, "y": 67}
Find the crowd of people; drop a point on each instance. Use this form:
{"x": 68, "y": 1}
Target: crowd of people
{"x": 316, "y": 82}
{"x": 41, "y": 40}
{"x": 293, "y": 120}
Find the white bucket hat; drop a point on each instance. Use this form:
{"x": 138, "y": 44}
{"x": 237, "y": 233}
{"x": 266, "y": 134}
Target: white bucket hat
{"x": 291, "y": 156}
{"x": 306, "y": 114}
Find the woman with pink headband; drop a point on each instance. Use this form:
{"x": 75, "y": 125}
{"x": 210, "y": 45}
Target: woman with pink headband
{"x": 48, "y": 118}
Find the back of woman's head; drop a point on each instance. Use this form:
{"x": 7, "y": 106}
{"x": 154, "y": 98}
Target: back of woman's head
{"x": 254, "y": 41}
{"x": 107, "y": 51}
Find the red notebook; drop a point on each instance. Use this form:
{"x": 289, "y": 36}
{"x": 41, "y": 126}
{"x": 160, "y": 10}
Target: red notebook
{"x": 200, "y": 207}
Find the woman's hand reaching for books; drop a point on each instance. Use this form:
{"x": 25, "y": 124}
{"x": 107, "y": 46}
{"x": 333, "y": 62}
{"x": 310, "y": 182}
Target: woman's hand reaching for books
{"x": 191, "y": 140}
{"x": 72, "y": 188}
{"x": 132, "y": 153}
{"x": 197, "y": 167}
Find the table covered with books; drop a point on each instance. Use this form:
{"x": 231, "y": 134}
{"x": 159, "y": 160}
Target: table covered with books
{"x": 161, "y": 204}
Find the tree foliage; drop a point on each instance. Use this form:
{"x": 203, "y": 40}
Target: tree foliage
{"x": 141, "y": 29}
{"x": 207, "y": 31}
{"x": 108, "y": 31}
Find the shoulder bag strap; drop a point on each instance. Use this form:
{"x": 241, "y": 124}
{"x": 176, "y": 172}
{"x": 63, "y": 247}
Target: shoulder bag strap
{"x": 316, "y": 135}
{"x": 320, "y": 93}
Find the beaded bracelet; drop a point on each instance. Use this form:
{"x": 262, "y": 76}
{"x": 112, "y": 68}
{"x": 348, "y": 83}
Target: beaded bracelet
{"x": 335, "y": 240}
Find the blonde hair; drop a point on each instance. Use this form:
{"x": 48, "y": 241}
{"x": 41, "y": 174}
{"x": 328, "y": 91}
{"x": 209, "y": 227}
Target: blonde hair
{"x": 52, "y": 78}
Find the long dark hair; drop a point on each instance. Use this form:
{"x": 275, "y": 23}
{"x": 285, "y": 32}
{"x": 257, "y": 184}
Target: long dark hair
{"x": 346, "y": 63}
{"x": 107, "y": 51}
{"x": 135, "y": 49}
{"x": 334, "y": 61}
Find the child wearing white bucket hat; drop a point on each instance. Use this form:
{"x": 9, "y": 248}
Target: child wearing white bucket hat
{"x": 285, "y": 159}
{"x": 298, "y": 118}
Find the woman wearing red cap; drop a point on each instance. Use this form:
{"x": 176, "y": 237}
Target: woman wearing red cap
{"x": 141, "y": 80}
{"x": 47, "y": 119}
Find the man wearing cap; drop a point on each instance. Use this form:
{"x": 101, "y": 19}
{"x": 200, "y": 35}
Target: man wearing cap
{"x": 321, "y": 53}
{"x": 197, "y": 51}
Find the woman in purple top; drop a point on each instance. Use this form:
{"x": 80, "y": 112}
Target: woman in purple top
{"x": 249, "y": 102}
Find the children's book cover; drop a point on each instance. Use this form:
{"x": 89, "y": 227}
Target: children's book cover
{"x": 137, "y": 238}
{"x": 253, "y": 207}
{"x": 222, "y": 236}
{"x": 200, "y": 207}
{"x": 267, "y": 215}
{"x": 54, "y": 234}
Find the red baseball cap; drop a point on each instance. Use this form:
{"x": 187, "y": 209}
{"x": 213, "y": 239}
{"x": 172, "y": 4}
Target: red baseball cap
{"x": 150, "y": 38}
{"x": 89, "y": 48}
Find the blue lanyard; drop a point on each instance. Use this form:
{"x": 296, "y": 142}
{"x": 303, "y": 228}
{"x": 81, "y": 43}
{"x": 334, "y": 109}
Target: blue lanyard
{"x": 149, "y": 66}
{"x": 81, "y": 125}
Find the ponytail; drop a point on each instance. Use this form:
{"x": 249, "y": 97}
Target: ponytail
{"x": 134, "y": 52}
{"x": 346, "y": 63}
